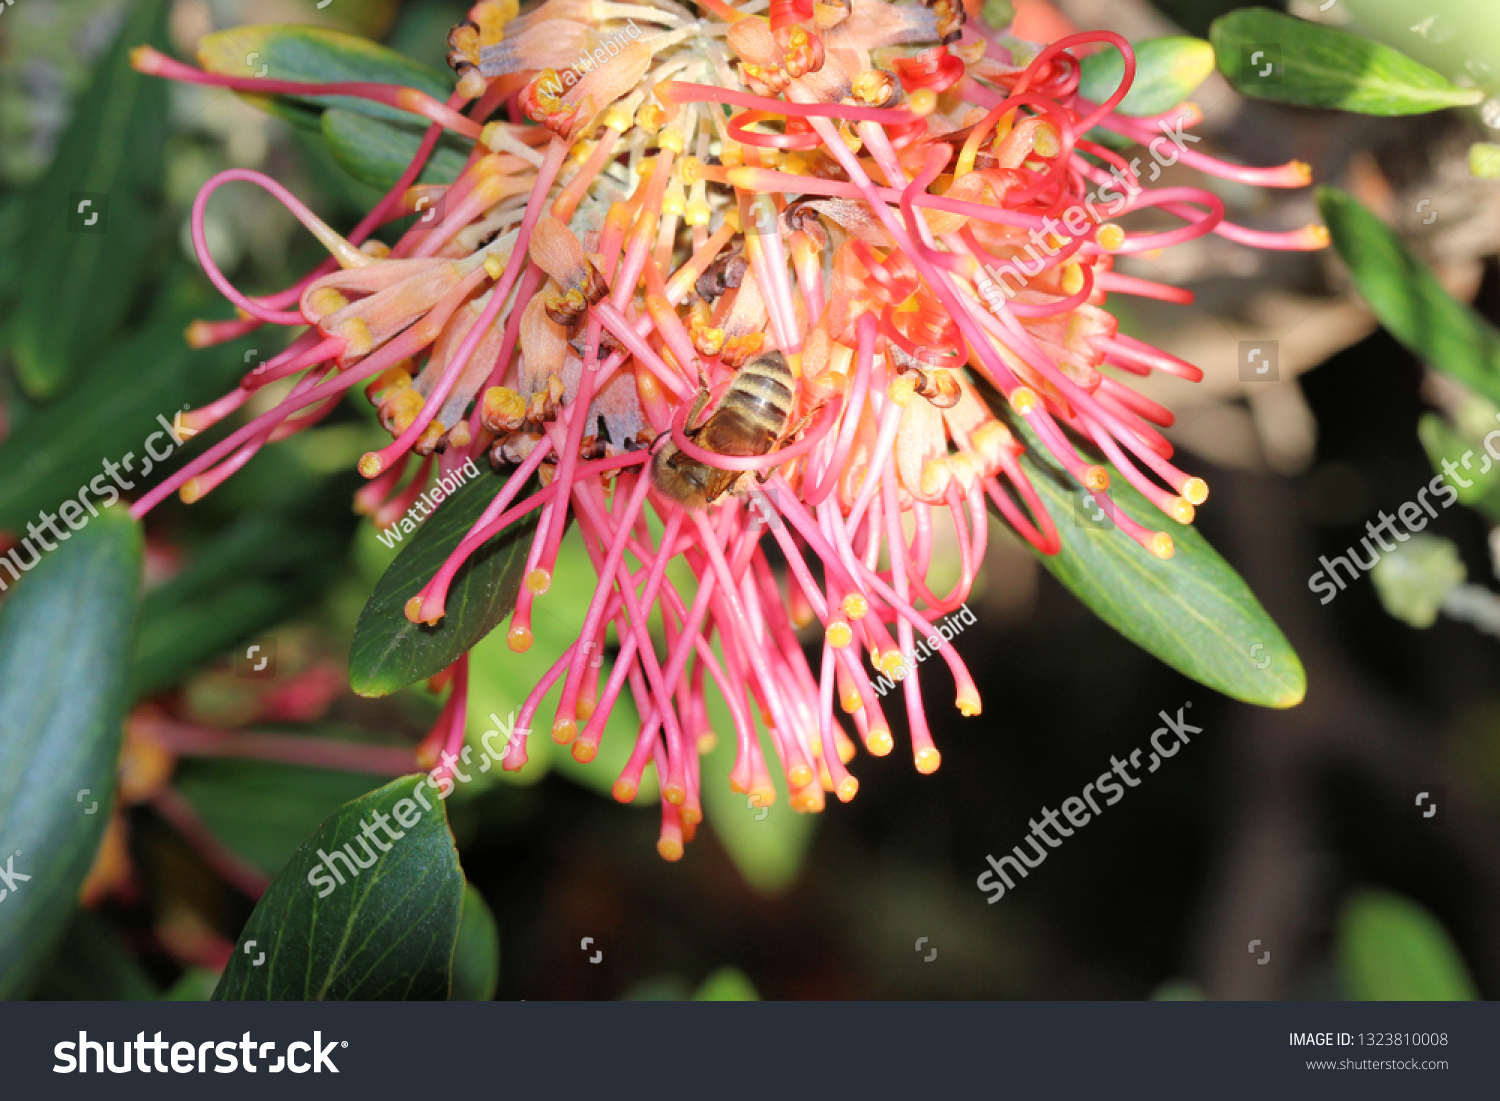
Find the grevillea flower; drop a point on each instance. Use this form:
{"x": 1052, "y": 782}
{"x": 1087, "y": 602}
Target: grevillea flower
{"x": 904, "y": 204}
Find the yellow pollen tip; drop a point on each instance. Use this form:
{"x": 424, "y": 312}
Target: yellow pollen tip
{"x": 879, "y": 742}
{"x": 1195, "y": 490}
{"x": 585, "y": 708}
{"x": 413, "y": 609}
{"x": 1096, "y": 478}
{"x": 519, "y": 639}
{"x": 674, "y": 794}
{"x": 564, "y": 731}
{"x": 902, "y": 388}
{"x": 708, "y": 741}
{"x": 1302, "y": 169}
{"x": 851, "y": 702}
{"x": 670, "y": 849}
{"x": 494, "y": 267}
{"x": 1162, "y": 545}
{"x": 856, "y": 606}
{"x": 191, "y": 490}
{"x": 968, "y": 704}
{"x": 838, "y": 634}
{"x": 1182, "y": 510}
{"x": 928, "y": 760}
{"x": 799, "y": 776}
{"x": 583, "y": 752}
{"x": 624, "y": 791}
{"x": 1023, "y": 400}
{"x": 370, "y": 464}
{"x": 538, "y": 581}
{"x": 1110, "y": 237}
{"x": 848, "y": 789}
{"x": 922, "y": 102}
{"x": 1319, "y": 235}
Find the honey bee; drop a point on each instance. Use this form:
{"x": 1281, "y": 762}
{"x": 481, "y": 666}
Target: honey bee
{"x": 754, "y": 417}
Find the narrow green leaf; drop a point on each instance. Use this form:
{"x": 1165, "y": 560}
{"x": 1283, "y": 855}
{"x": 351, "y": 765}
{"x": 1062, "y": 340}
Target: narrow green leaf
{"x": 90, "y": 218}
{"x": 289, "y": 51}
{"x": 391, "y": 652}
{"x": 387, "y": 932}
{"x": 476, "y": 954}
{"x": 1192, "y": 611}
{"x": 64, "y": 648}
{"x": 1391, "y": 949}
{"x": 376, "y": 151}
{"x": 1272, "y": 56}
{"x": 1408, "y": 299}
{"x": 110, "y": 414}
{"x": 1166, "y": 72}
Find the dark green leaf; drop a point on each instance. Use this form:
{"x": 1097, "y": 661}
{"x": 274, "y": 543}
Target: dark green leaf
{"x": 1192, "y": 611}
{"x": 112, "y": 412}
{"x": 391, "y": 652}
{"x": 64, "y": 648}
{"x": 387, "y": 932}
{"x": 476, "y": 956}
{"x": 78, "y": 278}
{"x": 92, "y": 965}
{"x": 1166, "y": 72}
{"x": 1391, "y": 949}
{"x": 318, "y": 55}
{"x": 263, "y": 810}
{"x": 263, "y": 566}
{"x": 1408, "y": 299}
{"x": 1272, "y": 56}
{"x": 376, "y": 151}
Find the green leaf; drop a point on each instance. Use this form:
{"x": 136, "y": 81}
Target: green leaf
{"x": 1272, "y": 56}
{"x": 64, "y": 646}
{"x": 264, "y": 810}
{"x": 1166, "y": 72}
{"x": 376, "y": 152}
{"x": 93, "y": 965}
{"x": 1391, "y": 949}
{"x": 767, "y": 844}
{"x": 1408, "y": 299}
{"x": 387, "y": 932}
{"x": 196, "y": 985}
{"x": 476, "y": 955}
{"x": 1192, "y": 611}
{"x": 310, "y": 54}
{"x": 79, "y": 279}
{"x": 1441, "y": 441}
{"x": 61, "y": 447}
{"x": 727, "y": 984}
{"x": 244, "y": 579}
{"x": 390, "y": 651}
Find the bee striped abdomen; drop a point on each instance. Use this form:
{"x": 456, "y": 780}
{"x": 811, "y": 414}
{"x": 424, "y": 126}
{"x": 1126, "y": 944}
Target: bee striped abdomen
{"x": 756, "y": 408}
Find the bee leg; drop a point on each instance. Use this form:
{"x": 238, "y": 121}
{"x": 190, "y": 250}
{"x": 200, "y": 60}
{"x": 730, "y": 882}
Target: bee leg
{"x": 699, "y": 403}
{"x": 787, "y": 437}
